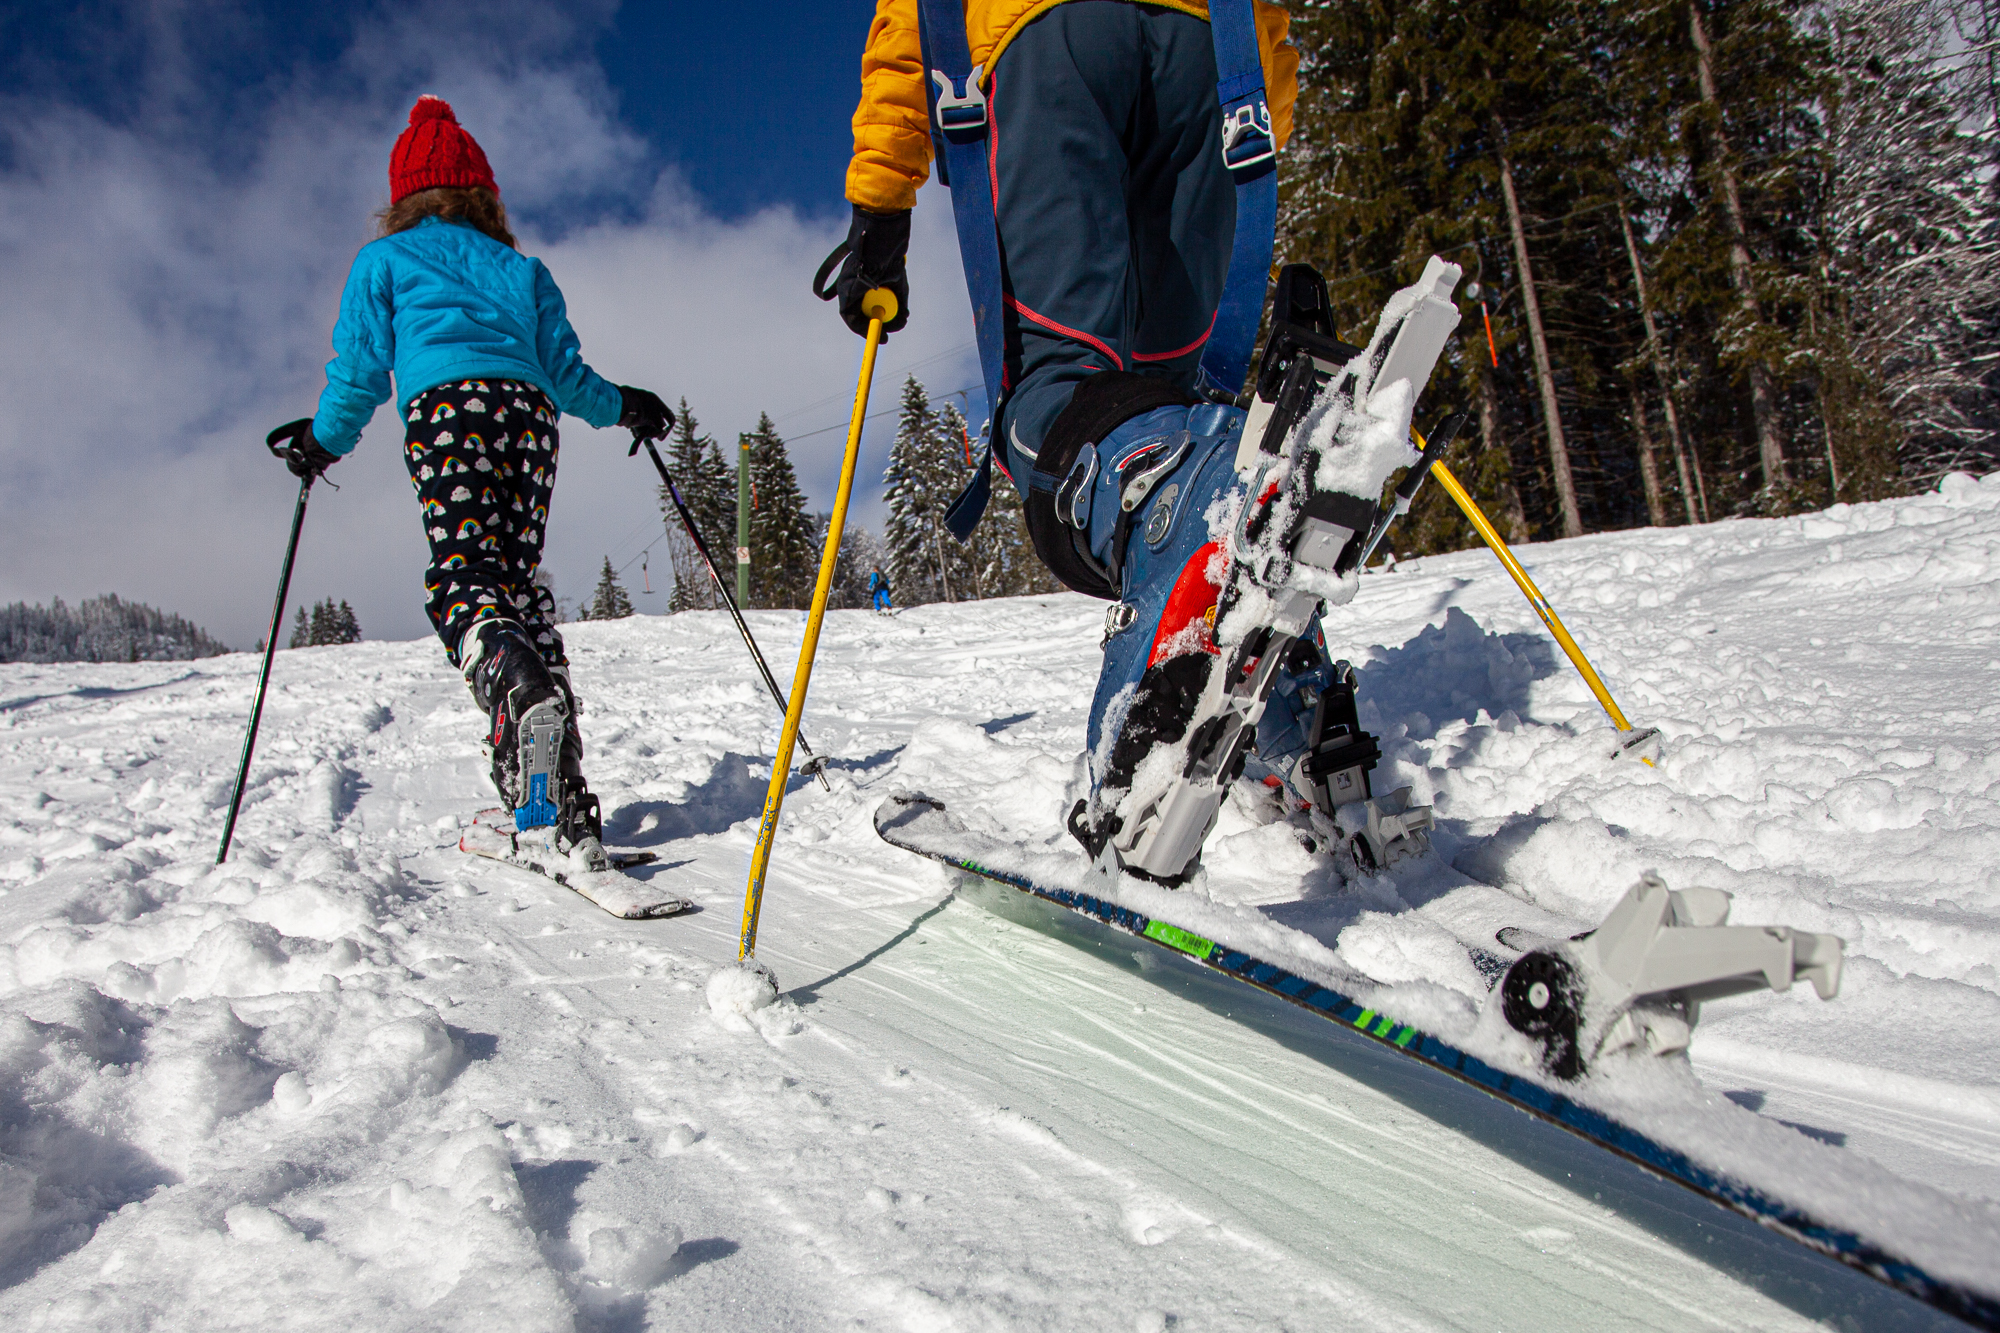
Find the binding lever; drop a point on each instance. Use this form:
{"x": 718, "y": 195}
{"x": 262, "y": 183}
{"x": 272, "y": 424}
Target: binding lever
{"x": 1639, "y": 980}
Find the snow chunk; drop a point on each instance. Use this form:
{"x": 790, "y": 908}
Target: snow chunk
{"x": 738, "y": 990}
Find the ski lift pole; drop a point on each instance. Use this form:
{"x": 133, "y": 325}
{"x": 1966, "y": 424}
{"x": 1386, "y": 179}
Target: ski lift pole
{"x": 264, "y": 675}
{"x": 815, "y": 764}
{"x": 880, "y": 307}
{"x": 1632, "y": 740}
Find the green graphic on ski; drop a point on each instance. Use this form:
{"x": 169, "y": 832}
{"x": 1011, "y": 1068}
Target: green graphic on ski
{"x": 920, "y": 824}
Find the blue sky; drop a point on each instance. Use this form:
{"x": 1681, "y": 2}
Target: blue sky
{"x": 182, "y": 188}
{"x": 749, "y": 101}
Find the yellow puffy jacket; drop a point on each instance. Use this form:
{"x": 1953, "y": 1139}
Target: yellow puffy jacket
{"x": 892, "y": 143}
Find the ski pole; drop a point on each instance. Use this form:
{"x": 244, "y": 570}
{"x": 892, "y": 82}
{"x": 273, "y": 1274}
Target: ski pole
{"x": 880, "y": 307}
{"x": 816, "y": 765}
{"x": 264, "y": 676}
{"x": 1631, "y": 739}
{"x": 1433, "y": 448}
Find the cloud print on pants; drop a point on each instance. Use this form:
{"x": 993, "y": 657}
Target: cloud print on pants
{"x": 169, "y": 280}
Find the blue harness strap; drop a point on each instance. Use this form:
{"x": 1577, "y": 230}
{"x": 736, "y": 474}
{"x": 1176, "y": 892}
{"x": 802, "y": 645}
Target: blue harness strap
{"x": 959, "y": 130}
{"x": 1251, "y": 152}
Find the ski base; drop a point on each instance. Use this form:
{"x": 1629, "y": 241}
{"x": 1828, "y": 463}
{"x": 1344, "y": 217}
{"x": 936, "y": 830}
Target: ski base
{"x": 920, "y": 824}
{"x": 492, "y": 836}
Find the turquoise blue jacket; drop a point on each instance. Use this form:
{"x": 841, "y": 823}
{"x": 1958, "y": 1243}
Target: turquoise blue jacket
{"x": 444, "y": 301}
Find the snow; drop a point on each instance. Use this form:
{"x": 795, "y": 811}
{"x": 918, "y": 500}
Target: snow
{"x": 356, "y": 1078}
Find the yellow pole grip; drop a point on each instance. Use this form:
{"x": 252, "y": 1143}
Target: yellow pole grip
{"x": 1471, "y": 509}
{"x": 880, "y": 307}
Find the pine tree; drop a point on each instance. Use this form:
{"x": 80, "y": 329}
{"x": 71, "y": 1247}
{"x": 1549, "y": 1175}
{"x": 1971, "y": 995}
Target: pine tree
{"x": 784, "y": 556}
{"x": 708, "y": 486}
{"x": 609, "y": 601}
{"x": 920, "y": 481}
{"x": 347, "y": 628}
{"x": 301, "y": 632}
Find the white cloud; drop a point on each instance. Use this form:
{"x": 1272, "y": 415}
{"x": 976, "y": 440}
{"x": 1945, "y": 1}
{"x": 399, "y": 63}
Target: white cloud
{"x": 157, "y": 317}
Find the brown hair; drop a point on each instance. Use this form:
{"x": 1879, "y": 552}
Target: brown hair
{"x": 475, "y": 204}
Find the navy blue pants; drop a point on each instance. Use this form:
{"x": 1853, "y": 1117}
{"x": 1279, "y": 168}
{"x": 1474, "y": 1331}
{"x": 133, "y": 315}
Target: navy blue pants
{"x": 1114, "y": 209}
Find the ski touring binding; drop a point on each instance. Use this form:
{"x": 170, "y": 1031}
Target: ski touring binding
{"x": 1378, "y": 832}
{"x": 1638, "y": 981}
{"x": 1327, "y": 425}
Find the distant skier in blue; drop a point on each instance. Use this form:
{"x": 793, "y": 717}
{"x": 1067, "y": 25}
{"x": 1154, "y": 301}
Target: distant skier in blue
{"x": 878, "y": 588}
{"x": 485, "y": 362}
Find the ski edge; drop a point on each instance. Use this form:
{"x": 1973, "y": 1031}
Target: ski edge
{"x": 1836, "y": 1243}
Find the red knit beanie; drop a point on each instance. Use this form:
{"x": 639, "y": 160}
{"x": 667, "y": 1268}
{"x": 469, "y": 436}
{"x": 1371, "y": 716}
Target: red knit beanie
{"x": 434, "y": 151}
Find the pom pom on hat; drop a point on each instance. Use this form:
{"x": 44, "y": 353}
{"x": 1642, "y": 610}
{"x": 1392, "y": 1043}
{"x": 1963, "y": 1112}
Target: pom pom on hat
{"x": 431, "y": 108}
{"x": 436, "y": 151}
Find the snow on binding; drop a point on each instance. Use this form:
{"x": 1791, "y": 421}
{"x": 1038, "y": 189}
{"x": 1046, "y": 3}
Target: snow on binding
{"x": 1556, "y": 1027}
{"x": 492, "y": 835}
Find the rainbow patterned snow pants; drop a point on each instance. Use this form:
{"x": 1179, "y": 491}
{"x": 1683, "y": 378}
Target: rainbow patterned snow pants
{"x": 482, "y": 455}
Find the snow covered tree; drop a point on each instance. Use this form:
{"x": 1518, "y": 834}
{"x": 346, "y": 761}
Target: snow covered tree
{"x": 328, "y": 623}
{"x": 920, "y": 481}
{"x": 100, "y": 629}
{"x": 609, "y": 601}
{"x": 784, "y": 555}
{"x": 929, "y": 464}
{"x": 708, "y": 485}
{"x": 1904, "y": 340}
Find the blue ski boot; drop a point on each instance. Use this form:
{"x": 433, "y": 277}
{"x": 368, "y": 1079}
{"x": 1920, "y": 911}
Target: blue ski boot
{"x": 1154, "y": 498}
{"x": 1222, "y": 536}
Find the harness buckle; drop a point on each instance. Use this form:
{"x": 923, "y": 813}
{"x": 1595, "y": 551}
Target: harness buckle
{"x": 1246, "y": 133}
{"x": 960, "y": 107}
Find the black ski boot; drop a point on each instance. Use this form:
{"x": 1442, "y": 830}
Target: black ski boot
{"x": 580, "y": 822}
{"x": 528, "y": 714}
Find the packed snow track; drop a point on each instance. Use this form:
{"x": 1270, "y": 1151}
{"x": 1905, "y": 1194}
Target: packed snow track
{"x": 355, "y": 1078}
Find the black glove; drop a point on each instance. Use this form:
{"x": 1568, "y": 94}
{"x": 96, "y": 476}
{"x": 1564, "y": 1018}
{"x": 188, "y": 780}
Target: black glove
{"x": 304, "y": 455}
{"x": 872, "y": 256}
{"x": 645, "y": 415}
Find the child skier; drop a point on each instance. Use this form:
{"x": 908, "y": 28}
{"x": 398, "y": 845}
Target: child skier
{"x": 485, "y": 362}
{"x": 878, "y": 588}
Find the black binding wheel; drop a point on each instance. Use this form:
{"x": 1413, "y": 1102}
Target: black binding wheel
{"x": 1541, "y": 1000}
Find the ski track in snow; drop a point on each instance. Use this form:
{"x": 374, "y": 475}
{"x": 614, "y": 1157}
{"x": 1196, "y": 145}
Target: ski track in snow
{"x": 355, "y": 1078}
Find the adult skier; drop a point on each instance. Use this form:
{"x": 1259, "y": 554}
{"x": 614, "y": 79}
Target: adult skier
{"x": 878, "y": 589}
{"x": 1115, "y": 211}
{"x": 485, "y": 362}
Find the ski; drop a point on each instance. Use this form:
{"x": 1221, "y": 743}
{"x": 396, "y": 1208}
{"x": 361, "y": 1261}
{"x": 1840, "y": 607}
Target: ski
{"x": 921, "y": 824}
{"x": 492, "y": 835}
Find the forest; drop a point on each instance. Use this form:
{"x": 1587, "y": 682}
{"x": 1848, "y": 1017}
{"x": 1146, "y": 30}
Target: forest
{"x": 100, "y": 629}
{"x": 933, "y": 456}
{"x": 1723, "y": 257}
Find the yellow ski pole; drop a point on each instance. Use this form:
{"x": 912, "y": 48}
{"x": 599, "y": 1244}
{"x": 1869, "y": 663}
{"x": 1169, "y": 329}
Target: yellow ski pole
{"x": 1631, "y": 739}
{"x": 880, "y": 306}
